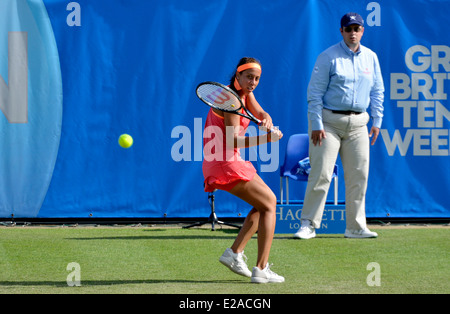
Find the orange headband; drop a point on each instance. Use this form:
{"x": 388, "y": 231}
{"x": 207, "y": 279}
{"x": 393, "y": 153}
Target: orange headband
{"x": 248, "y": 66}
{"x": 243, "y": 68}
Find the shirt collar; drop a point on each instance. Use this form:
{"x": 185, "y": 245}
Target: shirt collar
{"x": 348, "y": 50}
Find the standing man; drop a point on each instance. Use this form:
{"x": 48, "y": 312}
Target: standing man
{"x": 346, "y": 79}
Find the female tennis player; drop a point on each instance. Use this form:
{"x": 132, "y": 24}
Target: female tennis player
{"x": 224, "y": 169}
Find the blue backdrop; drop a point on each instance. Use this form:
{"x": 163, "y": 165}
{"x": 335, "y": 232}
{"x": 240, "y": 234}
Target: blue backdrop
{"x": 92, "y": 70}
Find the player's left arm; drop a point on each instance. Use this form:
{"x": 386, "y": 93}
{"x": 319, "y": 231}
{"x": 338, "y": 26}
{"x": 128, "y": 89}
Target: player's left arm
{"x": 234, "y": 138}
{"x": 255, "y": 108}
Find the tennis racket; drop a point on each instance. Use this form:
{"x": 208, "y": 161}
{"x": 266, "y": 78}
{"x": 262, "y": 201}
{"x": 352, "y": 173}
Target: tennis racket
{"x": 221, "y": 97}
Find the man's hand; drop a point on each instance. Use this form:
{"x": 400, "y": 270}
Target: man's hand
{"x": 317, "y": 136}
{"x": 374, "y": 131}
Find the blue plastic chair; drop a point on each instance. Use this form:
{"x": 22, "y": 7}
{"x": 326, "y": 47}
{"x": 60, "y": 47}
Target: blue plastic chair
{"x": 297, "y": 149}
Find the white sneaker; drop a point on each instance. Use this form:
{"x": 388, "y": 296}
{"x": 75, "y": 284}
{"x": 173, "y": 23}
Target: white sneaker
{"x": 265, "y": 275}
{"x": 236, "y": 262}
{"x": 363, "y": 233}
{"x": 306, "y": 231}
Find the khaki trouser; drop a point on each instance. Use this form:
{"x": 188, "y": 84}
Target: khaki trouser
{"x": 346, "y": 135}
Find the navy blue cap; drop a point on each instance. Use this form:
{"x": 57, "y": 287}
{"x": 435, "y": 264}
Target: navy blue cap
{"x": 351, "y": 18}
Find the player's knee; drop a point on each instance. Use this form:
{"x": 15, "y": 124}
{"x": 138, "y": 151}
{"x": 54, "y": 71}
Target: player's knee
{"x": 270, "y": 203}
{"x": 273, "y": 200}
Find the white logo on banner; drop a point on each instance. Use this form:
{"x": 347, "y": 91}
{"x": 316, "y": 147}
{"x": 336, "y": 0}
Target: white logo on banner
{"x": 14, "y": 96}
{"x": 422, "y": 100}
{"x": 74, "y": 17}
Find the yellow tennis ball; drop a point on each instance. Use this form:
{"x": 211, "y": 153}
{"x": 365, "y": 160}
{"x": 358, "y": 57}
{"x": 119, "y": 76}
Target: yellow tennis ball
{"x": 125, "y": 141}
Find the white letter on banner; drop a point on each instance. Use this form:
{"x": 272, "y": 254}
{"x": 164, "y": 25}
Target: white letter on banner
{"x": 441, "y": 113}
{"x": 74, "y": 17}
{"x": 424, "y": 61}
{"x": 198, "y": 139}
{"x": 439, "y": 79}
{"x": 421, "y": 139}
{"x": 181, "y": 150}
{"x": 407, "y": 105}
{"x": 400, "y": 81}
{"x": 396, "y": 141}
{"x": 273, "y": 156}
{"x": 424, "y": 88}
{"x": 423, "y": 113}
{"x": 14, "y": 95}
{"x": 439, "y": 138}
{"x": 436, "y": 60}
{"x": 374, "y": 17}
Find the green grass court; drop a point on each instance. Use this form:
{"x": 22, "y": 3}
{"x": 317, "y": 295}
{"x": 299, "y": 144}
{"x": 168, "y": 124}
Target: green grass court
{"x": 171, "y": 260}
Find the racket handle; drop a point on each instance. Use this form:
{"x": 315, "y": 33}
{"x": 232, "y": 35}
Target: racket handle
{"x": 271, "y": 129}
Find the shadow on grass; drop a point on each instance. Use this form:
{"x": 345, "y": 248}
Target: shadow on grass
{"x": 115, "y": 282}
{"x": 217, "y": 234}
{"x": 227, "y": 234}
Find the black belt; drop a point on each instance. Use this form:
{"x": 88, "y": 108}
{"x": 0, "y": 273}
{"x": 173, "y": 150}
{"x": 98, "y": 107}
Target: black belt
{"x": 346, "y": 112}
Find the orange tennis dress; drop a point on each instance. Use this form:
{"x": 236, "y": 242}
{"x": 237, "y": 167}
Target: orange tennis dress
{"x": 223, "y": 168}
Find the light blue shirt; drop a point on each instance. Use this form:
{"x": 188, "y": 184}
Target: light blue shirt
{"x": 344, "y": 80}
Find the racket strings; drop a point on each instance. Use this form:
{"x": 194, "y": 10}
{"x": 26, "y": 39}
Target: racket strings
{"x": 218, "y": 97}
